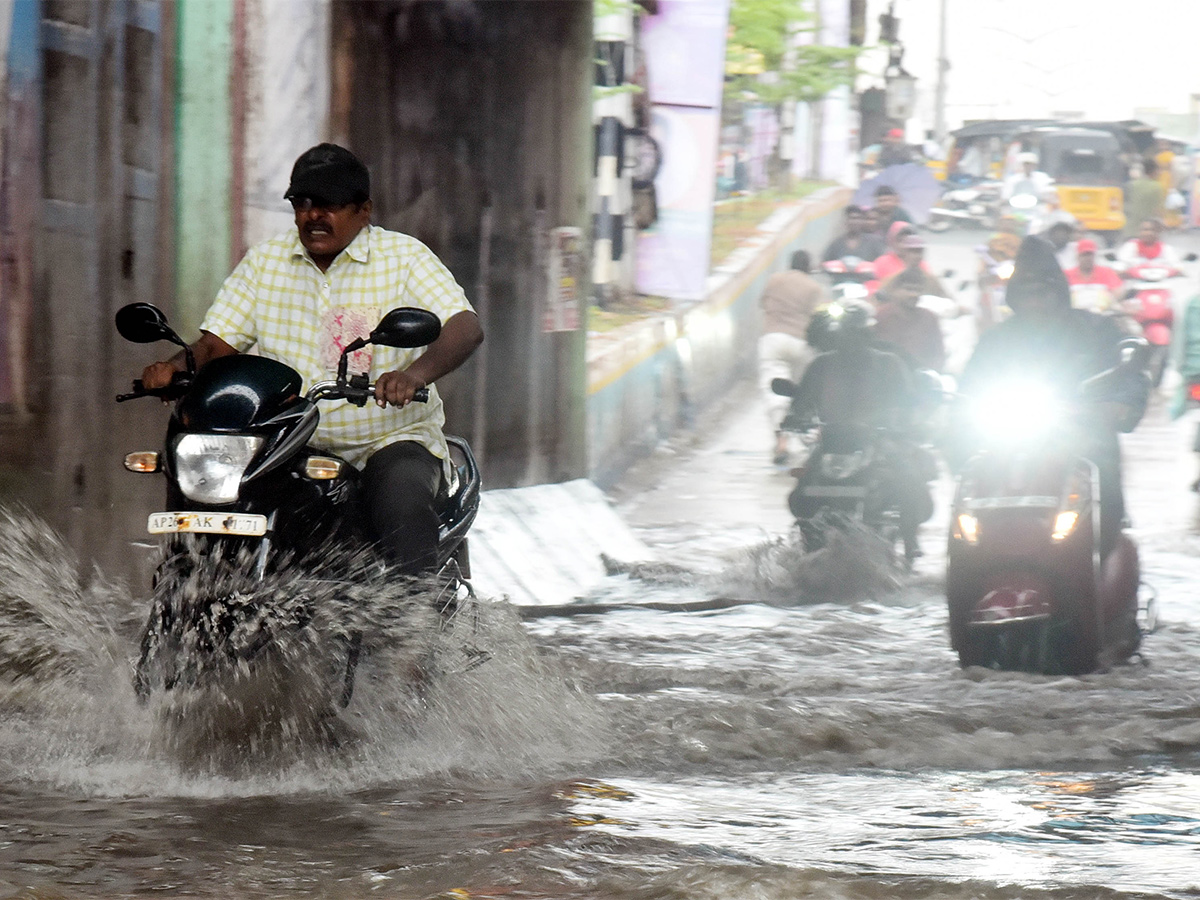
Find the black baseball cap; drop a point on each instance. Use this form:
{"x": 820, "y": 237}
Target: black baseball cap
{"x": 329, "y": 175}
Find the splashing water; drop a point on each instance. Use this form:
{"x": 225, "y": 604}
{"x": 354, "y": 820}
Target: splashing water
{"x": 462, "y": 690}
{"x": 855, "y": 564}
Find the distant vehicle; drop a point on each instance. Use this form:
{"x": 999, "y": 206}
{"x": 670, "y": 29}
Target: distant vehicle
{"x": 850, "y": 278}
{"x": 975, "y": 206}
{"x": 1089, "y": 173}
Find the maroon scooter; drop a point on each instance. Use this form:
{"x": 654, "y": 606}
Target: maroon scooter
{"x": 1027, "y": 584}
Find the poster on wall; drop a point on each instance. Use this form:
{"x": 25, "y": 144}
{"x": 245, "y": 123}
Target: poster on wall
{"x": 562, "y": 296}
{"x": 673, "y": 256}
{"x": 684, "y": 47}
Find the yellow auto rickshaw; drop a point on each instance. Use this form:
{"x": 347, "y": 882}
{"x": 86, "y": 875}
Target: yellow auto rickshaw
{"x": 1089, "y": 172}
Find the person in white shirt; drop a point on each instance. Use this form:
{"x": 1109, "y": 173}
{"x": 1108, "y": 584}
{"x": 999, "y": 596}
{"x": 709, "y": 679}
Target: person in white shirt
{"x": 1148, "y": 247}
{"x": 1030, "y": 180}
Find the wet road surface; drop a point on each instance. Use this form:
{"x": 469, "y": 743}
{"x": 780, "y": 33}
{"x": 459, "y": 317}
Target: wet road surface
{"x": 816, "y": 739}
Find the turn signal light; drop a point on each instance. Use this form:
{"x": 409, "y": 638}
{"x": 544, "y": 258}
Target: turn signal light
{"x": 968, "y": 528}
{"x": 322, "y": 468}
{"x": 142, "y": 461}
{"x": 1064, "y": 524}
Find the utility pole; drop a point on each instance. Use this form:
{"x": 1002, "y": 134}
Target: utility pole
{"x": 943, "y": 64}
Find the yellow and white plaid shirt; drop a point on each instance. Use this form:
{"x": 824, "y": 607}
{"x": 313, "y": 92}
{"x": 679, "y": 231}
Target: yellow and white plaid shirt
{"x": 278, "y": 300}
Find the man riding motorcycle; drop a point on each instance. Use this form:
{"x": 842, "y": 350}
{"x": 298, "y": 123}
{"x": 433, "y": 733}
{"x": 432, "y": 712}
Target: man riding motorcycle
{"x": 1046, "y": 338}
{"x": 852, "y": 384}
{"x": 303, "y": 296}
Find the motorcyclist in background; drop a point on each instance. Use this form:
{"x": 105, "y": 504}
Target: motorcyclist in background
{"x": 1046, "y": 338}
{"x": 906, "y": 328}
{"x": 1028, "y": 180}
{"x": 859, "y": 240}
{"x": 852, "y": 383}
{"x": 1148, "y": 247}
{"x": 1095, "y": 288}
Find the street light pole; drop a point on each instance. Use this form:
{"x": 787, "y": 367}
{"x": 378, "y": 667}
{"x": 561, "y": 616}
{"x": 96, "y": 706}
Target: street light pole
{"x": 939, "y": 100}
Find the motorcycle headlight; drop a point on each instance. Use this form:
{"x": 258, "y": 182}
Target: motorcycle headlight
{"x": 209, "y": 467}
{"x": 1023, "y": 201}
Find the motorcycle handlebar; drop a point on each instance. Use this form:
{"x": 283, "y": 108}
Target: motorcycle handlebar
{"x": 180, "y": 383}
{"x": 356, "y": 394}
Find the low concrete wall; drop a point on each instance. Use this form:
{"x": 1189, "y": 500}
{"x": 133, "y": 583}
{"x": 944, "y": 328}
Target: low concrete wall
{"x": 648, "y": 379}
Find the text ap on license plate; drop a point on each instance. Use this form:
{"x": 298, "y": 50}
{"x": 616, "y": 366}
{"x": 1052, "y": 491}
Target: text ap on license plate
{"x": 243, "y": 524}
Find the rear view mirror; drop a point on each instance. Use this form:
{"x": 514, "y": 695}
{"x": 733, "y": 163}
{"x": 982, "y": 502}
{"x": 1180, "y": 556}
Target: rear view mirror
{"x": 406, "y": 327}
{"x": 1191, "y": 257}
{"x": 144, "y": 323}
{"x": 783, "y": 387}
{"x": 1134, "y": 351}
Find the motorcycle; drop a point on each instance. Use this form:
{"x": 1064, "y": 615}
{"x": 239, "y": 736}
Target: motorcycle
{"x": 247, "y": 501}
{"x": 976, "y": 205}
{"x": 1027, "y": 585}
{"x": 850, "y": 278}
{"x": 1027, "y": 209}
{"x": 849, "y": 474}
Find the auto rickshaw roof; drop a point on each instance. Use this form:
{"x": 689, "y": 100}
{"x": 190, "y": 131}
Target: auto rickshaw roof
{"x": 1131, "y": 132}
{"x": 999, "y": 128}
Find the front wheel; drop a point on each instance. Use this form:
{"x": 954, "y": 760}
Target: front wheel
{"x": 938, "y": 225}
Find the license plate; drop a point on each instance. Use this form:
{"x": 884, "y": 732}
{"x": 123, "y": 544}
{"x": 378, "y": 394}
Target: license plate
{"x": 240, "y": 524}
{"x": 832, "y": 490}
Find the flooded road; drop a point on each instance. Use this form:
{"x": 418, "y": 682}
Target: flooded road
{"x": 808, "y": 735}
{"x": 801, "y": 746}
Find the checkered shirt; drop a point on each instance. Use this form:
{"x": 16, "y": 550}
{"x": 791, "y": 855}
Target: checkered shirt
{"x": 279, "y": 301}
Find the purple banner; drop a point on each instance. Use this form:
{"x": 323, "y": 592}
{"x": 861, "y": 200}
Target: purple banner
{"x": 684, "y": 45}
{"x": 685, "y": 64}
{"x": 673, "y": 254}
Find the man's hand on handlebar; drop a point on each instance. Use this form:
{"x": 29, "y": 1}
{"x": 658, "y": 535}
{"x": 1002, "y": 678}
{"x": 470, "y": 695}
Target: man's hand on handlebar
{"x": 397, "y": 388}
{"x": 158, "y": 375}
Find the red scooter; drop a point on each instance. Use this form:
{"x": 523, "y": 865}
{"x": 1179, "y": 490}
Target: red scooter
{"x": 1027, "y": 585}
{"x": 850, "y": 278}
{"x": 1149, "y": 301}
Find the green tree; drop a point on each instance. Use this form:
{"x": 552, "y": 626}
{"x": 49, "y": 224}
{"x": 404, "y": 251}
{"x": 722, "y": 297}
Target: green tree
{"x": 790, "y": 68}
{"x": 769, "y": 61}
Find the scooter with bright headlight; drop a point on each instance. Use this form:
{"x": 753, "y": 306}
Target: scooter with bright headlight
{"x": 1029, "y": 583}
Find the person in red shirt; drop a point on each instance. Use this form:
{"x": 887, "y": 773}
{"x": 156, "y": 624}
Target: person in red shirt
{"x": 888, "y": 264}
{"x": 1094, "y": 288}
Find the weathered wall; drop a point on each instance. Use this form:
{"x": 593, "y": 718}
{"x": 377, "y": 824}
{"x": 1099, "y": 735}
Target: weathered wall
{"x": 89, "y": 162}
{"x": 204, "y": 174}
{"x": 282, "y": 107}
{"x": 474, "y": 118}
{"x": 650, "y": 379}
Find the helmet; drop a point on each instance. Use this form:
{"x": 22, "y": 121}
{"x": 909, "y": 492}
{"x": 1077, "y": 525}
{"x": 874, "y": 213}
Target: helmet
{"x": 834, "y": 324}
